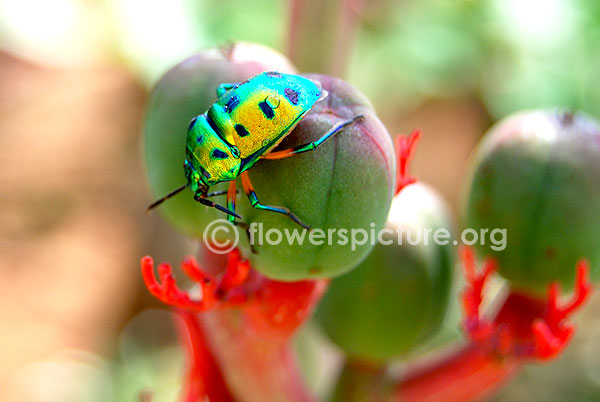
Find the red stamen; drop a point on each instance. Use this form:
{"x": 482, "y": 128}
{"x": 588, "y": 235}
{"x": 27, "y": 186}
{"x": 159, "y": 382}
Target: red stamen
{"x": 472, "y": 296}
{"x": 277, "y": 307}
{"x": 212, "y": 294}
{"x": 522, "y": 326}
{"x": 546, "y": 344}
{"x": 551, "y": 333}
{"x": 193, "y": 271}
{"x": 583, "y": 288}
{"x": 405, "y": 148}
{"x": 236, "y": 272}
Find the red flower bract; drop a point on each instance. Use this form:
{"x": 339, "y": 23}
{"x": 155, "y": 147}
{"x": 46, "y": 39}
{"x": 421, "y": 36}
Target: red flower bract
{"x": 524, "y": 327}
{"x": 270, "y": 306}
{"x": 213, "y": 293}
{"x": 522, "y": 330}
{"x": 270, "y": 311}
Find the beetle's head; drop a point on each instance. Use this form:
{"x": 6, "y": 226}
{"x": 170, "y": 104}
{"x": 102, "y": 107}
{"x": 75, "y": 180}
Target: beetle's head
{"x": 193, "y": 178}
{"x": 209, "y": 159}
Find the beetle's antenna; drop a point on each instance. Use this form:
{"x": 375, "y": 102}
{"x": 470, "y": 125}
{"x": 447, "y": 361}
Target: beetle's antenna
{"x": 166, "y": 197}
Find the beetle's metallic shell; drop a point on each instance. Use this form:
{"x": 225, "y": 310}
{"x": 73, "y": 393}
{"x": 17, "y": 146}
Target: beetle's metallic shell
{"x": 250, "y": 120}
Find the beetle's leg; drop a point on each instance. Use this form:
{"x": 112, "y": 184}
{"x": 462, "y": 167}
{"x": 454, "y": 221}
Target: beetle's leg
{"x": 231, "y": 193}
{"x": 215, "y": 193}
{"x": 200, "y": 198}
{"x": 247, "y": 185}
{"x": 223, "y": 88}
{"x": 311, "y": 146}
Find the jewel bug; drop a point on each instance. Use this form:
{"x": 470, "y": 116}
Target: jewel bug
{"x": 243, "y": 126}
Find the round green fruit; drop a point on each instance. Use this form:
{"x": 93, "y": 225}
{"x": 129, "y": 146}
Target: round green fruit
{"x": 185, "y": 91}
{"x": 537, "y": 176}
{"x": 345, "y": 184}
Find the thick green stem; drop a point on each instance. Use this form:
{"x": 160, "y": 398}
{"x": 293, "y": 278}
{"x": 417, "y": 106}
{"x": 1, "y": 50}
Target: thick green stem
{"x": 359, "y": 382}
{"x": 321, "y": 34}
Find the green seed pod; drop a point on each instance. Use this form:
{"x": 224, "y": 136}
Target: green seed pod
{"x": 345, "y": 185}
{"x": 397, "y": 297}
{"x": 185, "y": 91}
{"x": 537, "y": 175}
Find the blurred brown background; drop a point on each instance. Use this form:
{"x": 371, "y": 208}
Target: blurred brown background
{"x": 74, "y": 76}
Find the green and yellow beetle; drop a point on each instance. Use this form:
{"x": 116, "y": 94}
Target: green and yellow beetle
{"x": 244, "y": 125}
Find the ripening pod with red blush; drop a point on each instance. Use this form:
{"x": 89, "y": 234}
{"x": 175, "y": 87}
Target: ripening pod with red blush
{"x": 345, "y": 186}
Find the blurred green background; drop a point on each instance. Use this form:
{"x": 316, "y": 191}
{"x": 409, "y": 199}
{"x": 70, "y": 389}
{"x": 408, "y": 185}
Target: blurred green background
{"x": 74, "y": 76}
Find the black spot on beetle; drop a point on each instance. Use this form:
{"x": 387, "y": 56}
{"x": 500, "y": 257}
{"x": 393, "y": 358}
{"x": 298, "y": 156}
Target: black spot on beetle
{"x": 273, "y": 74}
{"x": 200, "y": 139}
{"x": 232, "y": 103}
{"x": 292, "y": 95}
{"x": 241, "y": 130}
{"x": 192, "y": 123}
{"x": 266, "y": 109}
{"x": 217, "y": 153}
